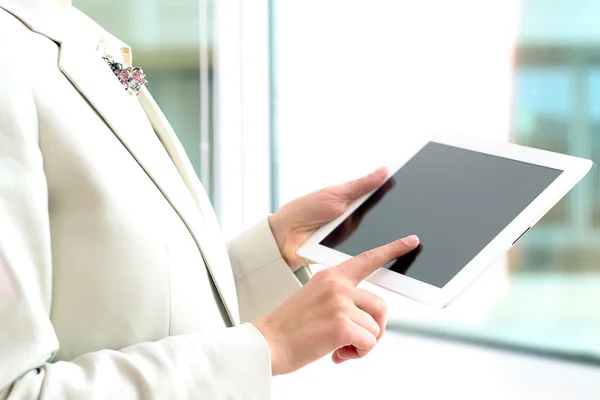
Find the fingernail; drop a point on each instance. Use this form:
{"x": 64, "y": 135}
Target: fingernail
{"x": 411, "y": 240}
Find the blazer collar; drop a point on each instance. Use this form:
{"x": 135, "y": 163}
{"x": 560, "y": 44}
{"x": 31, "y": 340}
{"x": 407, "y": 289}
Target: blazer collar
{"x": 83, "y": 66}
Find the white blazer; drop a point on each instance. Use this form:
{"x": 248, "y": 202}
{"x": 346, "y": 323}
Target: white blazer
{"x": 115, "y": 281}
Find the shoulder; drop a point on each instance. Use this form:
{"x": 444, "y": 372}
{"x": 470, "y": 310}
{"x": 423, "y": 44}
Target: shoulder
{"x": 21, "y": 52}
{"x": 21, "y": 49}
{"x": 13, "y": 42}
{"x": 21, "y": 42}
{"x": 11, "y": 28}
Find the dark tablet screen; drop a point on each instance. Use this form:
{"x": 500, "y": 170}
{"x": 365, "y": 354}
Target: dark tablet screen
{"x": 455, "y": 200}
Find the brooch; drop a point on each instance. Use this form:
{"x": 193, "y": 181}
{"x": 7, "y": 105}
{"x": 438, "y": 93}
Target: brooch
{"x": 132, "y": 78}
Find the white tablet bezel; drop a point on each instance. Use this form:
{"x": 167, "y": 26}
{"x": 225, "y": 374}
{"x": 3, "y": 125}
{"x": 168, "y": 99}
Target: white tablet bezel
{"x": 574, "y": 169}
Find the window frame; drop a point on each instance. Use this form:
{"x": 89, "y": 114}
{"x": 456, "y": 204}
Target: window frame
{"x": 242, "y": 142}
{"x": 244, "y": 168}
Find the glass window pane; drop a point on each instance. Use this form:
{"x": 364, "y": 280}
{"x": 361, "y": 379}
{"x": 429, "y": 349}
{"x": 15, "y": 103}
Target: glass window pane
{"x": 541, "y": 117}
{"x": 594, "y": 178}
{"x": 342, "y": 92}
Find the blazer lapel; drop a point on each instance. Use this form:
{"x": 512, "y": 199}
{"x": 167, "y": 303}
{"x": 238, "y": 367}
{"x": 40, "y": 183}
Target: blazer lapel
{"x": 209, "y": 234}
{"x": 87, "y": 71}
{"x": 123, "y": 113}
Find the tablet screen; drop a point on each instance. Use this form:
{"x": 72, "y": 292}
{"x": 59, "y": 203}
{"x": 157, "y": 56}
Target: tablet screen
{"x": 456, "y": 200}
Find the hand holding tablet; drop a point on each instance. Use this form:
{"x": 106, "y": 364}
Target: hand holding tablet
{"x": 468, "y": 201}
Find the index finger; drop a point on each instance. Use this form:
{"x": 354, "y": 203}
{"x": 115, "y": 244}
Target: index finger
{"x": 363, "y": 265}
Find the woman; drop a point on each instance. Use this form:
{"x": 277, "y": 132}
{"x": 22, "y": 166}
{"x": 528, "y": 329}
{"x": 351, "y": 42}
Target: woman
{"x": 114, "y": 280}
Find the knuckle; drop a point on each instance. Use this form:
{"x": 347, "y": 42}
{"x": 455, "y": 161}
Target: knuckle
{"x": 376, "y": 330}
{"x": 397, "y": 246}
{"x": 339, "y": 207}
{"x": 369, "y": 345}
{"x": 343, "y": 331}
{"x": 370, "y": 342}
{"x": 339, "y": 308}
{"x": 332, "y": 287}
{"x": 380, "y": 316}
{"x": 341, "y": 323}
{"x": 368, "y": 255}
{"x": 370, "y": 323}
{"x": 321, "y": 275}
{"x": 339, "y": 301}
{"x": 380, "y": 306}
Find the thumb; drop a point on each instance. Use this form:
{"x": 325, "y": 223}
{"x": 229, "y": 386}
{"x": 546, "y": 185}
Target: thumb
{"x": 354, "y": 189}
{"x": 363, "y": 265}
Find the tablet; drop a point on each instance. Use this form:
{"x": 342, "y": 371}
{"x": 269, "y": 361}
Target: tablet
{"x": 468, "y": 201}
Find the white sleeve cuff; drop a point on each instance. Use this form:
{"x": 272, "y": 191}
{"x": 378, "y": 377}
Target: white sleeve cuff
{"x": 254, "y": 249}
{"x": 263, "y": 279}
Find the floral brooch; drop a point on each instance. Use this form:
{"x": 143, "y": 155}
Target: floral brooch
{"x": 132, "y": 78}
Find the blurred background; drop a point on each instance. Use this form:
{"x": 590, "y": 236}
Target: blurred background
{"x": 276, "y": 98}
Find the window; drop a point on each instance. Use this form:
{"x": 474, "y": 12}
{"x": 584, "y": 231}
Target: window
{"x": 353, "y": 80}
{"x": 593, "y": 93}
{"x": 313, "y": 93}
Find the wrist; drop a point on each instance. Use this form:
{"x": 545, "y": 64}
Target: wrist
{"x": 279, "y": 231}
{"x": 287, "y": 240}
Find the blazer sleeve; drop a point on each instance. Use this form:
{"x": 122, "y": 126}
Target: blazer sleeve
{"x": 233, "y": 363}
{"x": 263, "y": 279}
